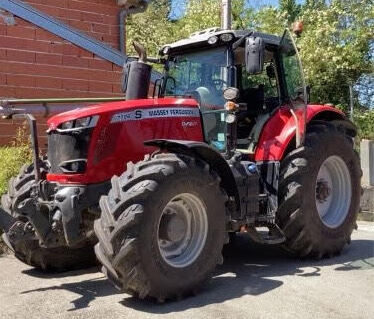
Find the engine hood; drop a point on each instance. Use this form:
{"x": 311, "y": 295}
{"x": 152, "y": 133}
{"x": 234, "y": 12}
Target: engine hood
{"x": 114, "y": 107}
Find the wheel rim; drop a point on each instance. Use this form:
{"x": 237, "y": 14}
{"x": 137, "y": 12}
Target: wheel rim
{"x": 182, "y": 230}
{"x": 333, "y": 191}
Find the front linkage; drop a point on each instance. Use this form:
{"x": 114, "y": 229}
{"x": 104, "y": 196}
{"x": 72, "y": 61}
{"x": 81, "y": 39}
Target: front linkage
{"x": 35, "y": 209}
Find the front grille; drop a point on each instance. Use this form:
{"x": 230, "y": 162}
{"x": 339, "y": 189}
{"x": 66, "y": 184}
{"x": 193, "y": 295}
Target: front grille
{"x": 68, "y": 147}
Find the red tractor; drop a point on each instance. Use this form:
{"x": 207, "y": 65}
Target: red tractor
{"x": 226, "y": 144}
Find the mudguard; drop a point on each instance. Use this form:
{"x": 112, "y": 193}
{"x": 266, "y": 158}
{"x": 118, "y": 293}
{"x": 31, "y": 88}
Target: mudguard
{"x": 207, "y": 153}
{"x": 279, "y": 131}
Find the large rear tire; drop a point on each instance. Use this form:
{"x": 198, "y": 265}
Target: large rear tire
{"x": 319, "y": 193}
{"x": 28, "y": 249}
{"x": 162, "y": 227}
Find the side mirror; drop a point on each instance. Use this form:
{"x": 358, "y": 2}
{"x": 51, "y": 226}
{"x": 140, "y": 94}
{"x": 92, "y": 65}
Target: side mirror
{"x": 254, "y": 55}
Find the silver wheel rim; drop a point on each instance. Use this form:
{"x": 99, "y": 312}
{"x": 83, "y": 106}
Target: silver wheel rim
{"x": 182, "y": 230}
{"x": 333, "y": 192}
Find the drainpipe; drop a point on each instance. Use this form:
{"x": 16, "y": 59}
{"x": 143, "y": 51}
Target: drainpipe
{"x": 122, "y": 18}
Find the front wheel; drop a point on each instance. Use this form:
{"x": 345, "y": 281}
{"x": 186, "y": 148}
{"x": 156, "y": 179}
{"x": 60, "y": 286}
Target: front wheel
{"x": 319, "y": 193}
{"x": 27, "y": 249}
{"x": 162, "y": 227}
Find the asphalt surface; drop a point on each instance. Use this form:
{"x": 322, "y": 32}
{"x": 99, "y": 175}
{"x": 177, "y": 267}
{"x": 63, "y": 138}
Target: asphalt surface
{"x": 254, "y": 282}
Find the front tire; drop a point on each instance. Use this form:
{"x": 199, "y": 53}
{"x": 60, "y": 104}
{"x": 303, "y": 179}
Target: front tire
{"x": 27, "y": 249}
{"x": 162, "y": 227}
{"x": 319, "y": 193}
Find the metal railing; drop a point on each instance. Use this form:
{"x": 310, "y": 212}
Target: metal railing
{"x": 46, "y": 107}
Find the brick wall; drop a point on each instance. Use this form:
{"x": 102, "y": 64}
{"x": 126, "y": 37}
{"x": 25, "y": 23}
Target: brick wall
{"x": 37, "y": 64}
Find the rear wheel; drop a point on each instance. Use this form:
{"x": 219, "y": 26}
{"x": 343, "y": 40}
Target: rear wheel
{"x": 28, "y": 249}
{"x": 162, "y": 227}
{"x": 319, "y": 193}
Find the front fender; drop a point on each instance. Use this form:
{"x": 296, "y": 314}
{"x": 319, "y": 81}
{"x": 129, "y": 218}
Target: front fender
{"x": 205, "y": 152}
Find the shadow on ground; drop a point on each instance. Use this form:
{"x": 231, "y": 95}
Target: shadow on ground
{"x": 248, "y": 270}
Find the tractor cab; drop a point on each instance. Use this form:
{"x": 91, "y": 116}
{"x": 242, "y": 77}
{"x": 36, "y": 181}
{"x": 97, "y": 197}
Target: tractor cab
{"x": 264, "y": 70}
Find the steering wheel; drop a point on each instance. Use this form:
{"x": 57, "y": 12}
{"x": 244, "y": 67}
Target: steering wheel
{"x": 171, "y": 79}
{"x": 195, "y": 95}
{"x": 219, "y": 84}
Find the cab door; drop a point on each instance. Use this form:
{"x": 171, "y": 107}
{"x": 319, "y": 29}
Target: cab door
{"x": 295, "y": 86}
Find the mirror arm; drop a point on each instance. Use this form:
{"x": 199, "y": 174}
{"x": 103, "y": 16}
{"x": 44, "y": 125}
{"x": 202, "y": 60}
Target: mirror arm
{"x": 239, "y": 42}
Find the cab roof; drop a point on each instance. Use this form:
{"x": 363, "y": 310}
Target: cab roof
{"x": 199, "y": 40}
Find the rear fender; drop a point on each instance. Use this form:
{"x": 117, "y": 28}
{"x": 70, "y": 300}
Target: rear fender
{"x": 208, "y": 154}
{"x": 279, "y": 131}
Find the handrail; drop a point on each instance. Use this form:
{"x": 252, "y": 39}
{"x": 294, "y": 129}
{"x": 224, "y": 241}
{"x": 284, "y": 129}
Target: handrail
{"x": 44, "y": 106}
{"x": 9, "y": 102}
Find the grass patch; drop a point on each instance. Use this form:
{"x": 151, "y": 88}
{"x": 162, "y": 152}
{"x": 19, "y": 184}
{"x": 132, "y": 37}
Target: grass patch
{"x": 13, "y": 157}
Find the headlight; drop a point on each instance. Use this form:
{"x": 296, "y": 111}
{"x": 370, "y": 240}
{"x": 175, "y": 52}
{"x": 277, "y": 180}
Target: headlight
{"x": 231, "y": 93}
{"x": 226, "y": 37}
{"x": 67, "y": 125}
{"x": 213, "y": 40}
{"x": 166, "y": 50}
{"x": 82, "y": 123}
{"x": 73, "y": 166}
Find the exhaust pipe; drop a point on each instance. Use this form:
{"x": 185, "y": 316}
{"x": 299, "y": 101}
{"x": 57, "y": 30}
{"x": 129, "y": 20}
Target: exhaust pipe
{"x": 137, "y": 75}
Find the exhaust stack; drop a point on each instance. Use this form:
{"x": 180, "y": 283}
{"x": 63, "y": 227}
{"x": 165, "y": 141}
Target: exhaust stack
{"x": 137, "y": 75}
{"x": 226, "y": 14}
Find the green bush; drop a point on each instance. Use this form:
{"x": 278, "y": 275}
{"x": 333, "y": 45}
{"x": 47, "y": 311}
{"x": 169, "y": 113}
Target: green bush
{"x": 365, "y": 124}
{"x": 12, "y": 158}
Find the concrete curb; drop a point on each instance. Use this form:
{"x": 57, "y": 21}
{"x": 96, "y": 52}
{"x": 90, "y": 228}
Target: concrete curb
{"x": 367, "y": 205}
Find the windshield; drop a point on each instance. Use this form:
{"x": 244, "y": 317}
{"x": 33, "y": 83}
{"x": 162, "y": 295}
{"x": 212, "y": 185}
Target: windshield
{"x": 203, "y": 75}
{"x": 203, "y": 72}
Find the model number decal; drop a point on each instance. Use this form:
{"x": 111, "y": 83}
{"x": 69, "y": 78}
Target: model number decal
{"x": 154, "y": 113}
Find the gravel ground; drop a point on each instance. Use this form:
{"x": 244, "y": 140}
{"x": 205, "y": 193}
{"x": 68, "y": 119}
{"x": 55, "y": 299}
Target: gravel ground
{"x": 254, "y": 282}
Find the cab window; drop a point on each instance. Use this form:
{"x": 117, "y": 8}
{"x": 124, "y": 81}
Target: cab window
{"x": 260, "y": 91}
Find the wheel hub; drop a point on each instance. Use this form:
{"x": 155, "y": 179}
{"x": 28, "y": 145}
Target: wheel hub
{"x": 323, "y": 190}
{"x": 173, "y": 226}
{"x": 333, "y": 191}
{"x": 182, "y": 230}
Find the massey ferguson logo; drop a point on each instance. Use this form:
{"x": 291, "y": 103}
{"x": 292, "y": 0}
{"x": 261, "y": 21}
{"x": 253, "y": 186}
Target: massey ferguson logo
{"x": 156, "y": 113}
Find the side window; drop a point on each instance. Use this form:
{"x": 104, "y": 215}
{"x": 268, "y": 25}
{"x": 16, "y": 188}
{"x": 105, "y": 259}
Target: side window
{"x": 293, "y": 76}
{"x": 267, "y": 78}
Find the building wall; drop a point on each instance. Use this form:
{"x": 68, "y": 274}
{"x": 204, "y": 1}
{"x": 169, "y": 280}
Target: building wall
{"x": 37, "y": 64}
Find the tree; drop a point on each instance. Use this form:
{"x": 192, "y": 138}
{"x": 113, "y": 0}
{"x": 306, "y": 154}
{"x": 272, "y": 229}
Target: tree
{"x": 152, "y": 27}
{"x": 336, "y": 45}
{"x": 314, "y": 4}
{"x": 290, "y": 10}
{"x": 335, "y": 48}
{"x": 200, "y": 15}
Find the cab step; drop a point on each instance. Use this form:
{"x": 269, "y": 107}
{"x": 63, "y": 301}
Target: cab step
{"x": 272, "y": 236}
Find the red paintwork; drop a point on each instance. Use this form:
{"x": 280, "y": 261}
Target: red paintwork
{"x": 280, "y": 129}
{"x": 114, "y": 144}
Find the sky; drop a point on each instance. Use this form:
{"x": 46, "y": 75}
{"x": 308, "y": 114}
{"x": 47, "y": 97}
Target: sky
{"x": 178, "y": 6}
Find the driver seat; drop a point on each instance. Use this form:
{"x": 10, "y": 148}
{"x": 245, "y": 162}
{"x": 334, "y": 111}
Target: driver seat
{"x": 255, "y": 100}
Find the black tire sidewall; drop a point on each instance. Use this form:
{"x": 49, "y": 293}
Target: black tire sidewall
{"x": 158, "y": 271}
{"x": 329, "y": 144}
